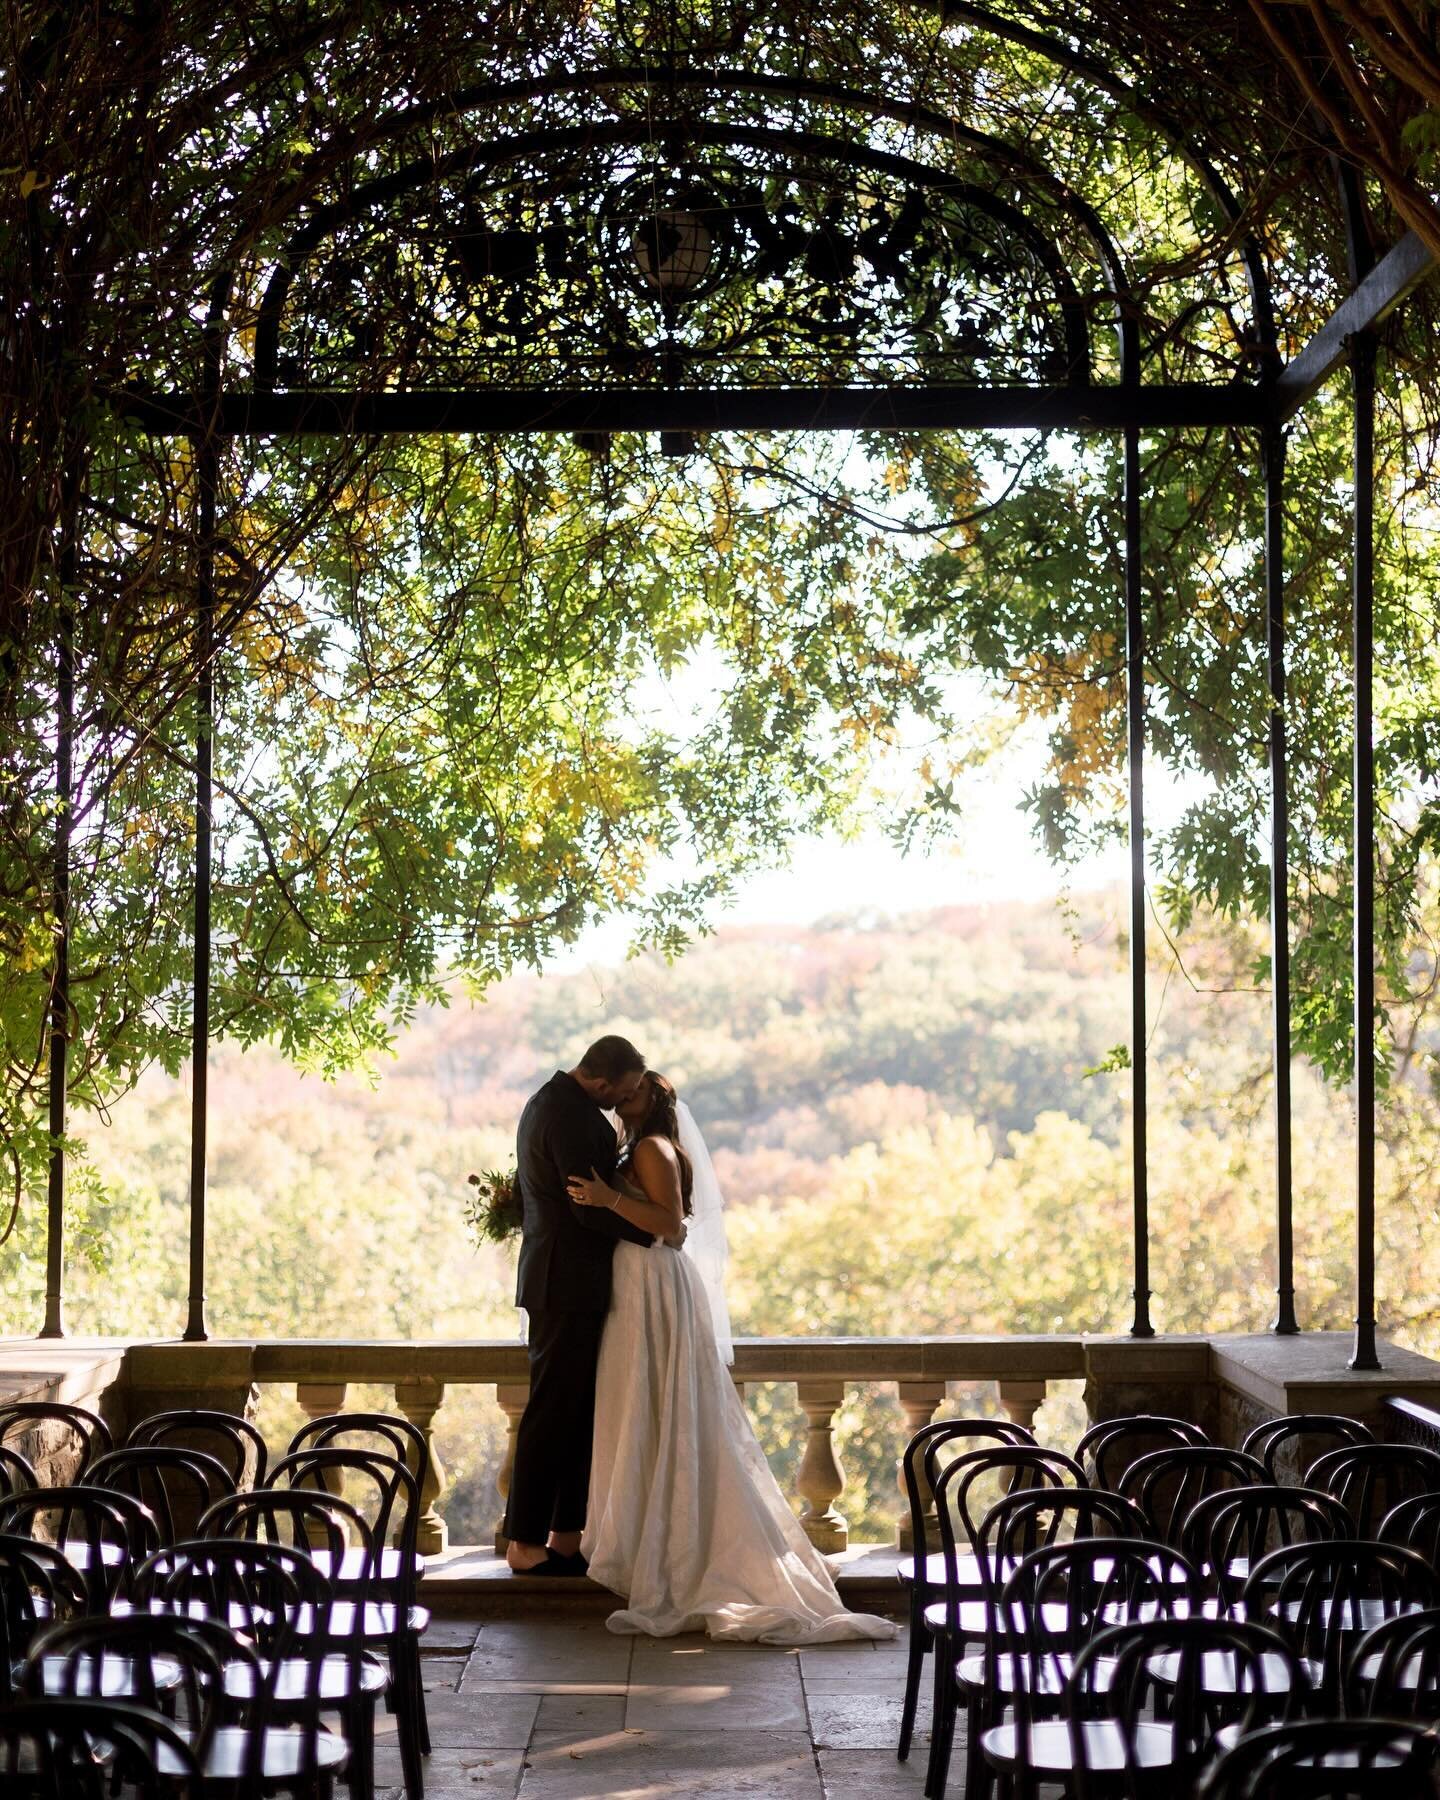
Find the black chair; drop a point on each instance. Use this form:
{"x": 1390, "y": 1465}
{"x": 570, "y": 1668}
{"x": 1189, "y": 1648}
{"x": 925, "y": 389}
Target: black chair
{"x": 1166, "y": 1484}
{"x": 16, "y": 1474}
{"x": 1370, "y": 1480}
{"x": 965, "y": 1490}
{"x": 1108, "y": 1448}
{"x": 231, "y": 1440}
{"x": 922, "y": 1573}
{"x": 38, "y": 1588}
{"x": 1229, "y": 1531}
{"x": 1055, "y": 1606}
{"x": 36, "y": 1419}
{"x": 1298, "y": 1438}
{"x": 1206, "y": 1667}
{"x": 330, "y": 1635}
{"x": 1415, "y": 1523}
{"x": 177, "y": 1485}
{"x": 167, "y": 1664}
{"x": 1323, "y": 1597}
{"x": 1394, "y": 1670}
{"x": 1327, "y": 1759}
{"x": 384, "y": 1590}
{"x": 102, "y": 1533}
{"x": 1015, "y": 1528}
{"x": 86, "y": 1750}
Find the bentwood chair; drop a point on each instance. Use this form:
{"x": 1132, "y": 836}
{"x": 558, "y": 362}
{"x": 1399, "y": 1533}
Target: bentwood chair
{"x": 1109, "y": 1447}
{"x": 231, "y": 1440}
{"x": 84, "y": 1434}
{"x": 922, "y": 1574}
{"x": 1327, "y": 1759}
{"x": 92, "y": 1750}
{"x": 1167, "y": 1483}
{"x": 1293, "y": 1442}
{"x": 1370, "y": 1480}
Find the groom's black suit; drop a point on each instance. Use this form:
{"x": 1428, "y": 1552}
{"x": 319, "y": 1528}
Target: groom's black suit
{"x": 564, "y": 1285}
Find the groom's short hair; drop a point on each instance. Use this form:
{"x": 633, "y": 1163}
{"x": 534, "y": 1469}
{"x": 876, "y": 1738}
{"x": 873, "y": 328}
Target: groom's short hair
{"x": 611, "y": 1058}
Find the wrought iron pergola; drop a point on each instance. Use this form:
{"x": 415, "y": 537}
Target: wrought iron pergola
{"x": 692, "y": 244}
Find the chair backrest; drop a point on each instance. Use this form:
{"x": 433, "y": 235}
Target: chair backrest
{"x": 1326, "y": 1759}
{"x": 381, "y": 1487}
{"x": 1226, "y": 1533}
{"x": 70, "y": 1661}
{"x": 47, "y": 1749}
{"x": 294, "y": 1518}
{"x": 259, "y": 1591}
{"x": 103, "y": 1532}
{"x": 920, "y": 1464}
{"x": 1193, "y": 1660}
{"x": 1416, "y": 1524}
{"x": 177, "y": 1485}
{"x": 399, "y": 1437}
{"x": 37, "y": 1420}
{"x": 1393, "y": 1672}
{"x": 1056, "y": 1600}
{"x": 1370, "y": 1480}
{"x": 968, "y": 1486}
{"x": 1287, "y": 1446}
{"x": 1109, "y": 1447}
{"x": 38, "y": 1588}
{"x": 16, "y": 1474}
{"x": 231, "y": 1440}
{"x": 1321, "y": 1597}
{"x": 1020, "y": 1523}
{"x": 1167, "y": 1483}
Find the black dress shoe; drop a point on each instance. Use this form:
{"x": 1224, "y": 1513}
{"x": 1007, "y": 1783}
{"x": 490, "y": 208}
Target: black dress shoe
{"x": 575, "y": 1563}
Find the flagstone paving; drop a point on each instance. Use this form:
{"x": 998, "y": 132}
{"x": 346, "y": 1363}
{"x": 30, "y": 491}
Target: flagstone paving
{"x": 561, "y": 1709}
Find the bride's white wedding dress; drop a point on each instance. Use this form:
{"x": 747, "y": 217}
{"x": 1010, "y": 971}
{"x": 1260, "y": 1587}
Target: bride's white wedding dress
{"x": 685, "y": 1519}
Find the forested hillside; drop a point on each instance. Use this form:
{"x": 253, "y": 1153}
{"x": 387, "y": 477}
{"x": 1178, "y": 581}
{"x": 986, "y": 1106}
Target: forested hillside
{"x": 910, "y": 1117}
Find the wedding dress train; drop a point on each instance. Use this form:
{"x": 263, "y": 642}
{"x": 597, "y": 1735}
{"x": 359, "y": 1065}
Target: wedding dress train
{"x": 685, "y": 1519}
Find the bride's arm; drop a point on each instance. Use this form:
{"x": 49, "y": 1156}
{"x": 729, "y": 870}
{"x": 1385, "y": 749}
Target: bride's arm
{"x": 657, "y": 1173}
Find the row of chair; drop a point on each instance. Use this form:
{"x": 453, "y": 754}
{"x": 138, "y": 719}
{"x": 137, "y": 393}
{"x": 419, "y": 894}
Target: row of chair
{"x": 1125, "y": 1533}
{"x": 245, "y": 1604}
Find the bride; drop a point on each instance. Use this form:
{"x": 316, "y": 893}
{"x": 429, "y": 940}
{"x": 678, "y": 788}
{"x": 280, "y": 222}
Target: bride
{"x": 684, "y": 1516}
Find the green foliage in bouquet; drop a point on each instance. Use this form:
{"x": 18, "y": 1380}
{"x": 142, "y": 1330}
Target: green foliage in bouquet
{"x": 493, "y": 1212}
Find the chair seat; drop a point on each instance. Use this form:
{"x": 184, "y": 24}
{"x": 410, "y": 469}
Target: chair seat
{"x": 977, "y": 1617}
{"x": 77, "y": 1553}
{"x": 971, "y": 1672}
{"x": 1103, "y": 1741}
{"x": 967, "y": 1571}
{"x": 375, "y": 1622}
{"x": 238, "y": 1617}
{"x": 353, "y": 1566}
{"x": 1218, "y": 1672}
{"x": 282, "y": 1754}
{"x": 1349, "y": 1615}
{"x": 1229, "y": 1735}
{"x": 295, "y": 1682}
{"x": 117, "y": 1677}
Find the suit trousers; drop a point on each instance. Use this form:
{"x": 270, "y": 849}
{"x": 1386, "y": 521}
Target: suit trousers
{"x": 551, "y": 1480}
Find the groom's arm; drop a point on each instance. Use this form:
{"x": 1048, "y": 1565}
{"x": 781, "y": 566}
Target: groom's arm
{"x": 576, "y": 1152}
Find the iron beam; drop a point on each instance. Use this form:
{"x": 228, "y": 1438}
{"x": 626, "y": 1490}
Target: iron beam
{"x": 1362, "y": 367}
{"x": 1135, "y": 757}
{"x": 60, "y": 1012}
{"x": 1398, "y": 272}
{"x": 757, "y": 409}
{"x": 206, "y": 478}
{"x": 1273, "y": 454}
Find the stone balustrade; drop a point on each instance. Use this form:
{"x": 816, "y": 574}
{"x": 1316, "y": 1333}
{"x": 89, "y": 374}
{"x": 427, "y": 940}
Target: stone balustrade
{"x": 1224, "y": 1383}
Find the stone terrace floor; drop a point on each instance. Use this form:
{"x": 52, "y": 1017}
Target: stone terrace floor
{"x": 558, "y": 1708}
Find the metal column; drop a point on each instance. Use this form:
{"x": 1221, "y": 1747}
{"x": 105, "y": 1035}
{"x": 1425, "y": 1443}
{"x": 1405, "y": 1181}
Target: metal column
{"x": 1362, "y": 366}
{"x": 1135, "y": 754}
{"x": 1273, "y": 454}
{"x": 54, "y": 1326}
{"x": 206, "y": 477}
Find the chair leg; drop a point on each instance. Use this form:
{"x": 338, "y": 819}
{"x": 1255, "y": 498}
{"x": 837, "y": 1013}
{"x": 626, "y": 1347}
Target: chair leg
{"x": 942, "y": 1722}
{"x": 421, "y": 1718}
{"x": 914, "y": 1666}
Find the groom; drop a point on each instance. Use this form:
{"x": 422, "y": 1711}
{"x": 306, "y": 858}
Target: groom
{"x": 564, "y": 1285}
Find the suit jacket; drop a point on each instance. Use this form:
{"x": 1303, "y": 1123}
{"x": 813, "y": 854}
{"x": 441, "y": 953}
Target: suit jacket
{"x": 565, "y": 1249}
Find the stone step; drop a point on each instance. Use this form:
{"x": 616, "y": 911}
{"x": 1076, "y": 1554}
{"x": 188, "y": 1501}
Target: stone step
{"x": 472, "y": 1579}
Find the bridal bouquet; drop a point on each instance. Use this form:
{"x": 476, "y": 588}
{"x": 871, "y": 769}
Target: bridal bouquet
{"x": 492, "y": 1207}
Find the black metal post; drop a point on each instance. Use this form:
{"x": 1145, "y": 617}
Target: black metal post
{"x": 1273, "y": 454}
{"x": 1135, "y": 754}
{"x": 206, "y": 477}
{"x": 54, "y": 1326}
{"x": 1362, "y": 368}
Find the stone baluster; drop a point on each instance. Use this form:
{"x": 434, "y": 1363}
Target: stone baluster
{"x": 318, "y": 1399}
{"x": 420, "y": 1401}
{"x": 822, "y": 1480}
{"x": 919, "y": 1401}
{"x": 512, "y": 1404}
{"x": 1021, "y": 1400}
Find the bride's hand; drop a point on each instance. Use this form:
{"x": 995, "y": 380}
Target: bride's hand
{"x": 590, "y": 1190}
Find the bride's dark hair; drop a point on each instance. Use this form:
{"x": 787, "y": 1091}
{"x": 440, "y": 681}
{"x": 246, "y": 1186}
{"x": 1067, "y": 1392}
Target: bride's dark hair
{"x": 663, "y": 1120}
